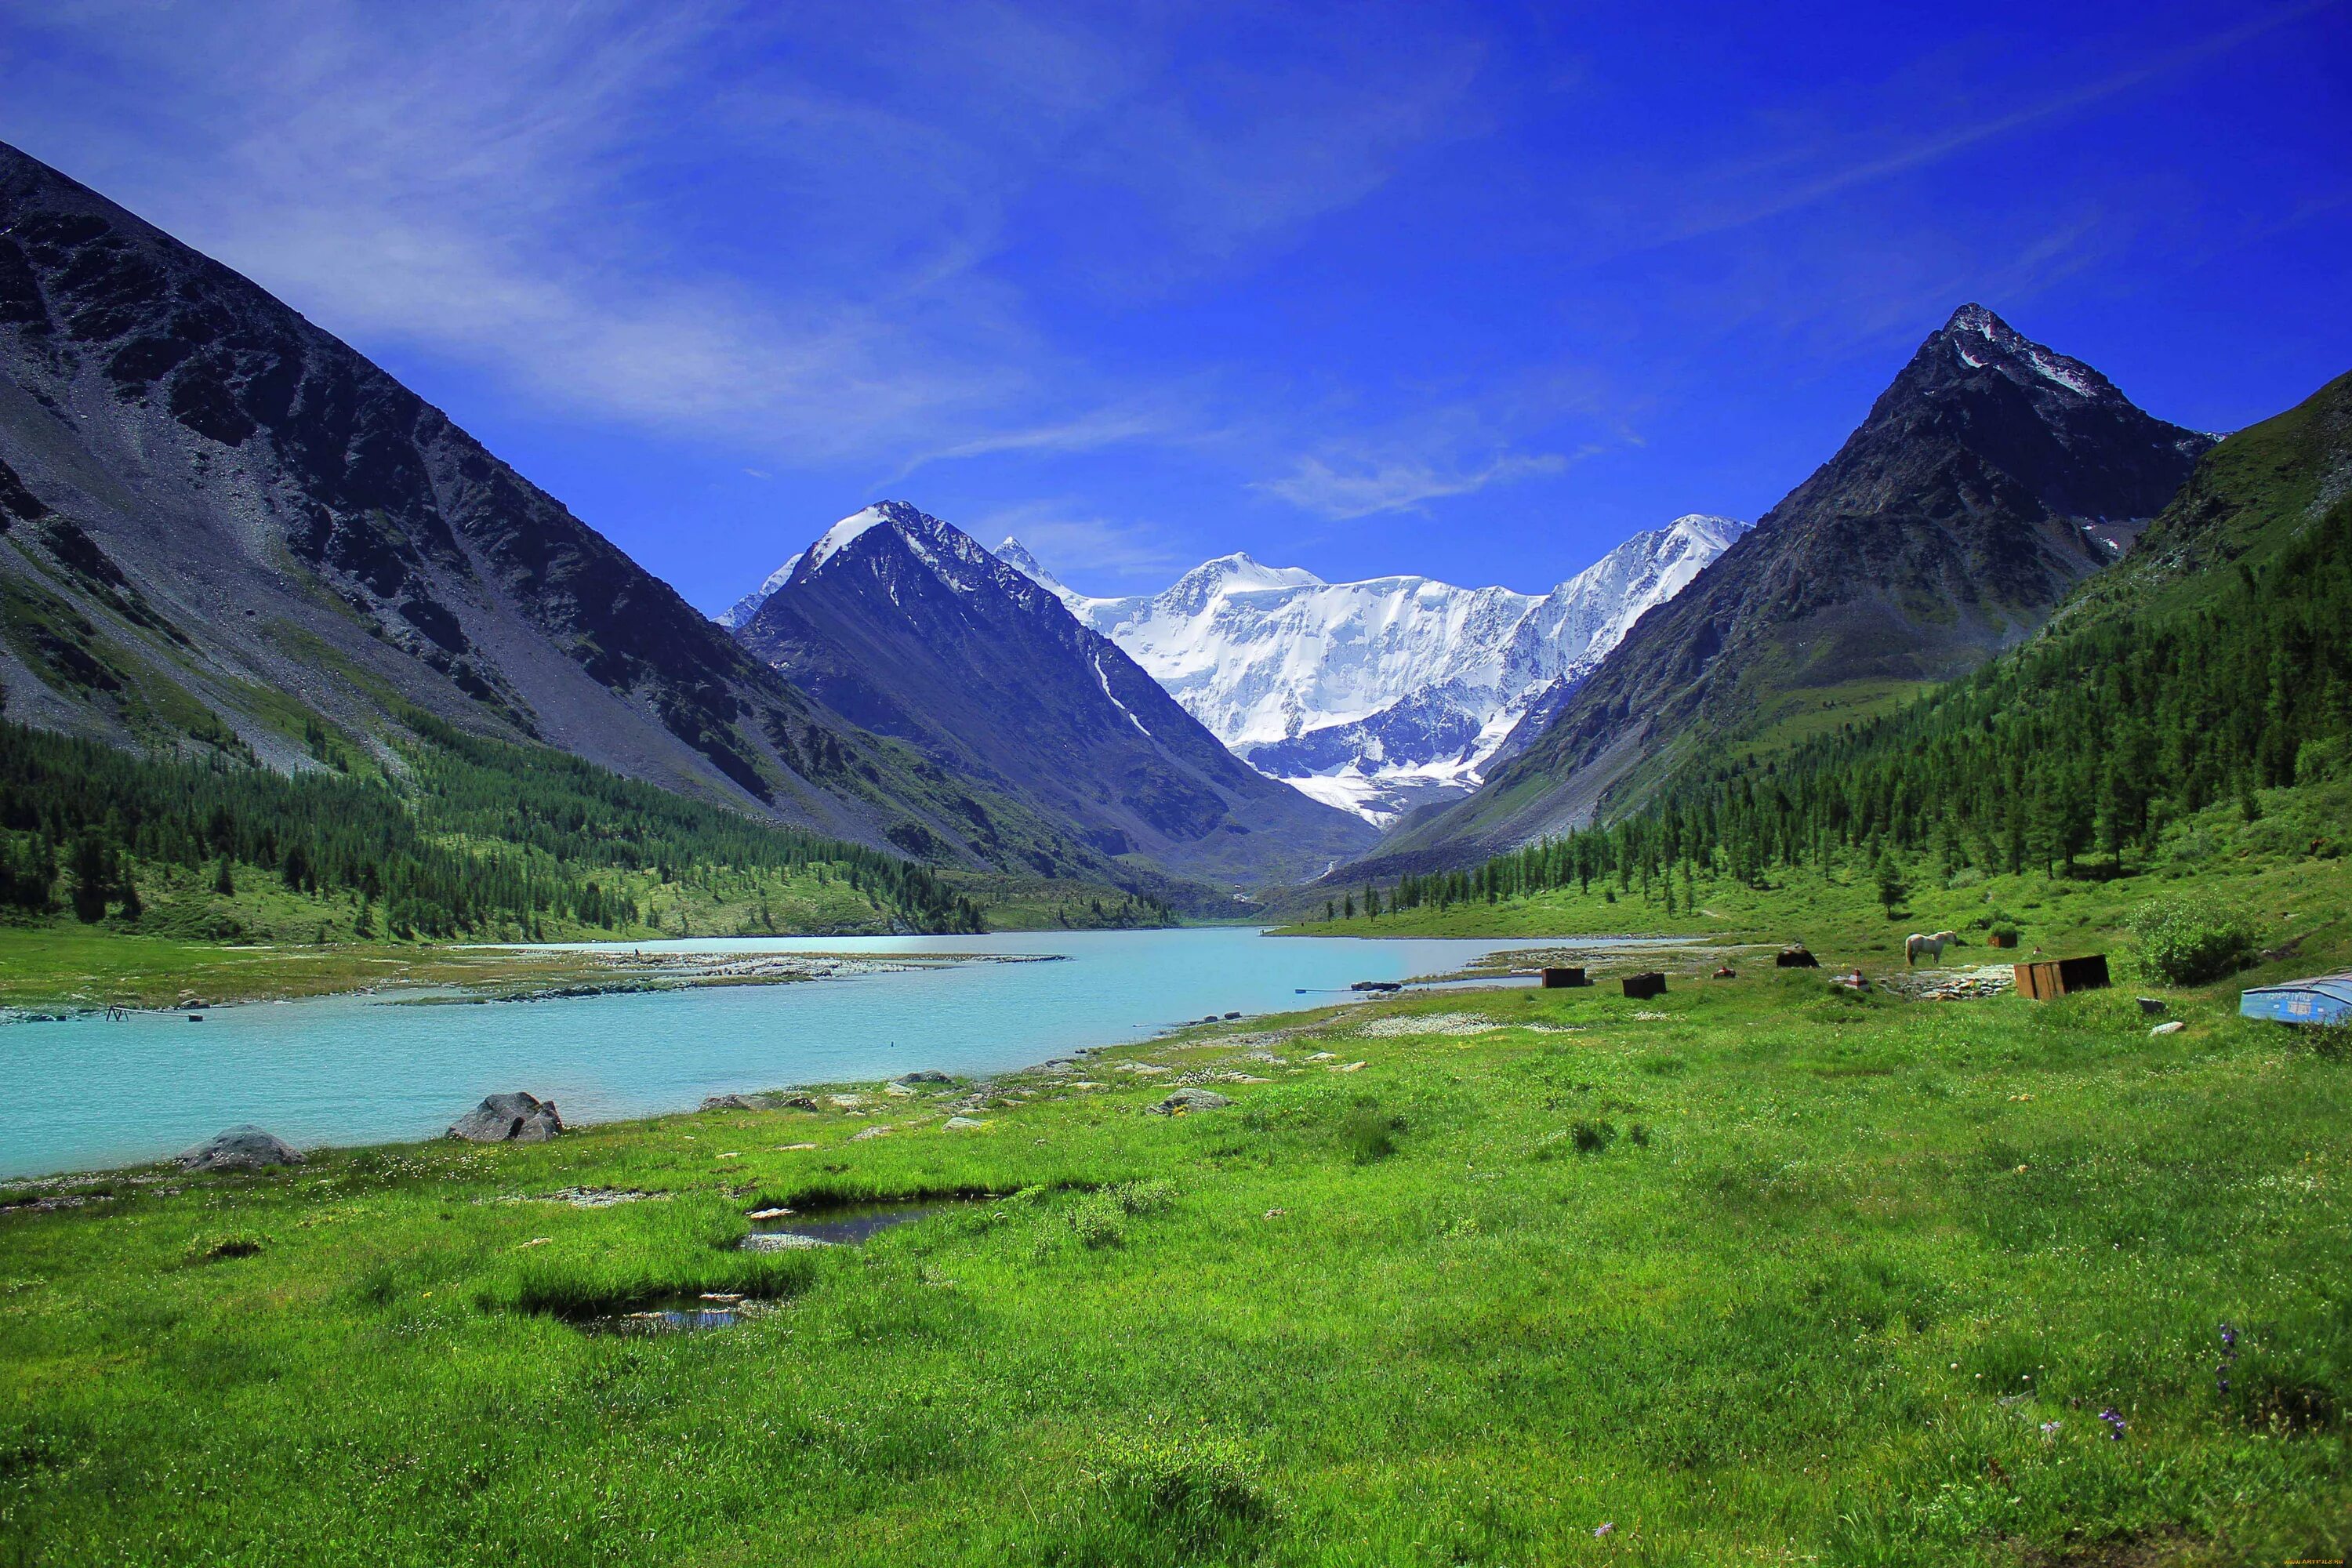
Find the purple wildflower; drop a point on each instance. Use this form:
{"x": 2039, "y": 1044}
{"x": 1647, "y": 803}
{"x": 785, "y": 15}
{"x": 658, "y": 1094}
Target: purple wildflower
{"x": 2114, "y": 1422}
{"x": 2229, "y": 1356}
{"x": 1606, "y": 1526}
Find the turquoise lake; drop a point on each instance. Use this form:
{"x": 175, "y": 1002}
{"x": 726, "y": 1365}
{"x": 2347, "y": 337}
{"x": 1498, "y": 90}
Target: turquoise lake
{"x": 87, "y": 1093}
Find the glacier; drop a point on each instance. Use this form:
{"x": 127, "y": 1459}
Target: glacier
{"x": 1386, "y": 695}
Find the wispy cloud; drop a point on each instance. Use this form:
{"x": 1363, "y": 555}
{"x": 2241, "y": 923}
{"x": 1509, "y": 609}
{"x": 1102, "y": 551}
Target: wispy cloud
{"x": 515, "y": 187}
{"x": 1365, "y": 483}
{"x": 1102, "y": 428}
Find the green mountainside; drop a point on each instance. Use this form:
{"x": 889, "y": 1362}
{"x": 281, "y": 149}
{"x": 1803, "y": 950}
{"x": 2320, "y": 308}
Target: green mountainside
{"x": 2188, "y": 710}
{"x": 1991, "y": 477}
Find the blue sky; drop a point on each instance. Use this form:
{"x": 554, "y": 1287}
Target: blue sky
{"x": 1469, "y": 291}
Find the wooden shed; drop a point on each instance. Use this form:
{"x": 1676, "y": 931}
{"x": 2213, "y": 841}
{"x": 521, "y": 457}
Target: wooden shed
{"x": 2056, "y": 977}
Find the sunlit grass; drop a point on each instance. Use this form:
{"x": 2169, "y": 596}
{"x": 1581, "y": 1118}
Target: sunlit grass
{"x": 1780, "y": 1276}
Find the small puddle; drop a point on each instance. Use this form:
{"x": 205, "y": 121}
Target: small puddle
{"x": 674, "y": 1314}
{"x": 776, "y": 1229}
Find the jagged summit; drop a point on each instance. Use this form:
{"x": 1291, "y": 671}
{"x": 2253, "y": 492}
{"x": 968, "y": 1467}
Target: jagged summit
{"x": 1977, "y": 339}
{"x": 1242, "y": 571}
{"x": 1015, "y": 554}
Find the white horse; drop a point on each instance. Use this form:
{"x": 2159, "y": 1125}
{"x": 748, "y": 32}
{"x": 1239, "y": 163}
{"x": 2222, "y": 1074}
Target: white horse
{"x": 1933, "y": 946}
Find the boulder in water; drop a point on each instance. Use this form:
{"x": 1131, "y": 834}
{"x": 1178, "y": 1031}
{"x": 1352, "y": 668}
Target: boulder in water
{"x": 245, "y": 1148}
{"x": 510, "y": 1118}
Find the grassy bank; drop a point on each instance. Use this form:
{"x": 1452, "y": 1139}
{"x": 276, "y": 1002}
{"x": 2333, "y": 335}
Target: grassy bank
{"x": 66, "y": 973}
{"x": 63, "y": 967}
{"x": 1755, "y": 1272}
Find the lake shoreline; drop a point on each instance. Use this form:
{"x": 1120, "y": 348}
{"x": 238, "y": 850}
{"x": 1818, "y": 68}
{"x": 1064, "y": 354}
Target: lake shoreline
{"x": 625, "y": 1030}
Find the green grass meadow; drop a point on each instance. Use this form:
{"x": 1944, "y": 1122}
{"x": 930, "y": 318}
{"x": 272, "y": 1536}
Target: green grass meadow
{"x": 1756, "y": 1272}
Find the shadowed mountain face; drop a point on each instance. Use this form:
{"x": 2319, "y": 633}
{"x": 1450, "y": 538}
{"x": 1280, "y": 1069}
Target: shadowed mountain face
{"x": 223, "y": 529}
{"x": 908, "y": 626}
{"x": 1989, "y": 479}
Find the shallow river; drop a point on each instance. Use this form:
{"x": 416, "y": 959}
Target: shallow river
{"x": 89, "y": 1093}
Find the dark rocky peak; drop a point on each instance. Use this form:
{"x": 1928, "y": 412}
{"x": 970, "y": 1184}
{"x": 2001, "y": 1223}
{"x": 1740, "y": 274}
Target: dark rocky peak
{"x": 2055, "y": 427}
{"x": 1976, "y": 341}
{"x": 905, "y": 625}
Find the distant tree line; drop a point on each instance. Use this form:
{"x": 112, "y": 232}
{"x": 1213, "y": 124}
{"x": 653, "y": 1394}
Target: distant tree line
{"x": 2083, "y": 744}
{"x": 480, "y": 833}
{"x": 1133, "y": 913}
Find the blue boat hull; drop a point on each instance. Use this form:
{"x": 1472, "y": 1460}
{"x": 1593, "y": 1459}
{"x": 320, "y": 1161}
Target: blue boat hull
{"x": 2327, "y": 1001}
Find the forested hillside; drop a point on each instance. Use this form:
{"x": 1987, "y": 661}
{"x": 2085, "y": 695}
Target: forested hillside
{"x": 2217, "y": 664}
{"x": 481, "y": 838}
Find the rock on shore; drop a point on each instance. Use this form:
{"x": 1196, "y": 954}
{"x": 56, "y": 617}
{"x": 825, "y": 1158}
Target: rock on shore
{"x": 243, "y": 1148}
{"x": 508, "y": 1119}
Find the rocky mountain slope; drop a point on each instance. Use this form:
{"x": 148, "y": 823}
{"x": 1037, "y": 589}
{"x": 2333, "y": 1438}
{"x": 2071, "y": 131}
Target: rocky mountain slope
{"x": 1383, "y": 695}
{"x": 906, "y": 625}
{"x": 1989, "y": 479}
{"x": 225, "y": 532}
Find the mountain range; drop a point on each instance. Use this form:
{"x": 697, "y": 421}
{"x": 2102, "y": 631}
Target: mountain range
{"x": 227, "y": 537}
{"x": 1383, "y": 695}
{"x": 1379, "y": 696}
{"x": 906, "y": 625}
{"x": 1993, "y": 476}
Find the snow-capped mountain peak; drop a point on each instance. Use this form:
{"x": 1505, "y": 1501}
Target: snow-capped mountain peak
{"x": 951, "y": 555}
{"x": 1380, "y": 695}
{"x": 846, "y": 532}
{"x": 1238, "y": 573}
{"x": 1015, "y": 554}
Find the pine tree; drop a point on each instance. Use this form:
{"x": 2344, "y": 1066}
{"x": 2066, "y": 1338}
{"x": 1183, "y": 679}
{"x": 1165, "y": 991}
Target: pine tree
{"x": 91, "y": 868}
{"x": 1889, "y": 877}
